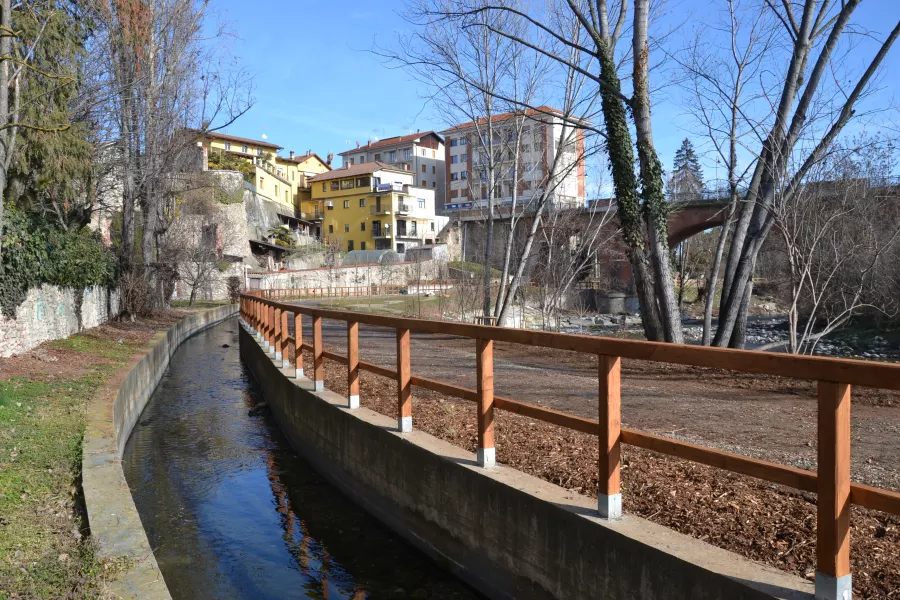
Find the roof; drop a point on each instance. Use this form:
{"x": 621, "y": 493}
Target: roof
{"x": 530, "y": 112}
{"x": 302, "y": 158}
{"x": 234, "y": 138}
{"x": 392, "y": 141}
{"x": 360, "y": 169}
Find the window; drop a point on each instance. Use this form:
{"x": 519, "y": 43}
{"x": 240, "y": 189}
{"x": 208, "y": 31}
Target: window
{"x": 276, "y": 189}
{"x": 335, "y": 186}
{"x": 463, "y": 174}
{"x": 454, "y": 176}
{"x": 330, "y": 207}
{"x": 347, "y": 184}
{"x": 347, "y": 228}
{"x": 362, "y": 202}
{"x": 412, "y": 228}
{"x": 377, "y": 157}
{"x": 407, "y": 153}
{"x": 424, "y": 169}
{"x": 346, "y": 204}
{"x": 331, "y": 229}
{"x": 323, "y": 187}
{"x": 423, "y": 151}
{"x": 244, "y": 149}
{"x": 454, "y": 142}
{"x": 292, "y": 175}
{"x": 434, "y": 184}
{"x": 362, "y": 226}
{"x": 392, "y": 156}
{"x": 424, "y": 183}
{"x": 351, "y": 161}
{"x": 432, "y": 154}
{"x": 349, "y": 245}
{"x": 259, "y": 151}
{"x": 433, "y": 171}
{"x": 363, "y": 182}
{"x": 421, "y": 202}
{"x": 432, "y": 225}
{"x": 362, "y": 245}
{"x": 453, "y": 160}
{"x": 228, "y": 145}
{"x": 262, "y": 182}
{"x": 462, "y": 141}
{"x": 286, "y": 198}
{"x": 362, "y": 159}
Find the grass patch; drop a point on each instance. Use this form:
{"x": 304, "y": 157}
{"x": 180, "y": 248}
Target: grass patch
{"x": 199, "y": 304}
{"x": 44, "y": 551}
{"x": 472, "y": 267}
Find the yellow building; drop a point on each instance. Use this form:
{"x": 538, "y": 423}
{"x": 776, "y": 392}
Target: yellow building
{"x": 284, "y": 180}
{"x": 374, "y": 206}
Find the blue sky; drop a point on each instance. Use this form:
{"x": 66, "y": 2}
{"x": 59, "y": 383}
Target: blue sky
{"x": 317, "y": 87}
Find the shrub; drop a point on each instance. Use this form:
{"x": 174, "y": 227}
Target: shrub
{"x": 234, "y": 288}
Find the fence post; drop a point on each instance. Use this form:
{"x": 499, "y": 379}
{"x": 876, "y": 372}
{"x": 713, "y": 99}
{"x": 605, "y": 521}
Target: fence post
{"x": 352, "y": 364}
{"x": 833, "y": 578}
{"x": 285, "y": 361}
{"x": 298, "y": 345}
{"x": 270, "y": 327}
{"x": 318, "y": 359}
{"x": 485, "y": 372}
{"x": 404, "y": 387}
{"x": 278, "y": 334}
{"x": 609, "y": 496}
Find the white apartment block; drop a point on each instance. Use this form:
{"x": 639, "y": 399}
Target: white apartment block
{"x": 419, "y": 153}
{"x": 541, "y": 133}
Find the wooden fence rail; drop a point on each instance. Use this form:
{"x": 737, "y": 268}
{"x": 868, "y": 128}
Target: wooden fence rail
{"x": 267, "y": 315}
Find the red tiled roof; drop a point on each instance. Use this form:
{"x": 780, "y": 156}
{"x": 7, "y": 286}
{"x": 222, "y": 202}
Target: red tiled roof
{"x": 361, "y": 169}
{"x": 530, "y": 112}
{"x": 301, "y": 158}
{"x": 234, "y": 138}
{"x": 391, "y": 141}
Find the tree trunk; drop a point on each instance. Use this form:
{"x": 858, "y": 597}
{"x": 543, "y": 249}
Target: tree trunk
{"x": 6, "y": 134}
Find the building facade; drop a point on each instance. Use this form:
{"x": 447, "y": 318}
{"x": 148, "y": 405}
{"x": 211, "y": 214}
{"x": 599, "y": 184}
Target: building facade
{"x": 541, "y": 134}
{"x": 419, "y": 153}
{"x": 375, "y": 206}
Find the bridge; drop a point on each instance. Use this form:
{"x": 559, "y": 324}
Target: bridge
{"x": 402, "y": 467}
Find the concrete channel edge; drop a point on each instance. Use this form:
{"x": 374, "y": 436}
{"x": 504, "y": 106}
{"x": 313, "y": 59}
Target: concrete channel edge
{"x": 111, "y": 415}
{"x": 506, "y": 533}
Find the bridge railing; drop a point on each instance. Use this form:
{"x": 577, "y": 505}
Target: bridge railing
{"x": 270, "y": 319}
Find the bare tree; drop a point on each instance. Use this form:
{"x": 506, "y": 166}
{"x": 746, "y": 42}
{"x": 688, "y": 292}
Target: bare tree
{"x": 834, "y": 234}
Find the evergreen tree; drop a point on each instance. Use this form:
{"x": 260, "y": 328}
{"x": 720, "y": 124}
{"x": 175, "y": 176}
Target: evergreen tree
{"x": 687, "y": 175}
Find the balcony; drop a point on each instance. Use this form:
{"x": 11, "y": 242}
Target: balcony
{"x": 406, "y": 234}
{"x": 387, "y": 188}
{"x": 384, "y": 209}
{"x": 381, "y": 232}
{"x": 403, "y": 208}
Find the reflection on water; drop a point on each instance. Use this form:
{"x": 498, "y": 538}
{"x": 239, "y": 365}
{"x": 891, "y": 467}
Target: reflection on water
{"x": 232, "y": 512}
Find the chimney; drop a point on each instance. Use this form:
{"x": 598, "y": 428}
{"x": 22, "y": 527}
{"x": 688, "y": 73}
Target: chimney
{"x": 418, "y": 130}
{"x": 357, "y": 144}
{"x": 292, "y": 154}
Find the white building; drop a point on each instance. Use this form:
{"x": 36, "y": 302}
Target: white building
{"x": 419, "y": 153}
{"x": 541, "y": 133}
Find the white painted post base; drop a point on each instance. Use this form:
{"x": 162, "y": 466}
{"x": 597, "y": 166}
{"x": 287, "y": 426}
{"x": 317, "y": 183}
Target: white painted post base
{"x": 353, "y": 401}
{"x": 829, "y": 587}
{"x": 486, "y": 457}
{"x": 285, "y": 364}
{"x": 319, "y": 386}
{"x": 278, "y": 356}
{"x": 298, "y": 374}
{"x": 404, "y": 424}
{"x": 610, "y": 507}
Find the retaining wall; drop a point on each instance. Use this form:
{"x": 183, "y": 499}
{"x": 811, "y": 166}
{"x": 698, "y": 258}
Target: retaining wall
{"x": 111, "y": 415}
{"x": 508, "y": 534}
{"x": 51, "y": 313}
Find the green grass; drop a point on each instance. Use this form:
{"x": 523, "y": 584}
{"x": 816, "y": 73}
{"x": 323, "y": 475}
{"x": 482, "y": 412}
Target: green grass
{"x": 388, "y": 305}
{"x": 199, "y": 303}
{"x": 43, "y": 553}
{"x": 472, "y": 267}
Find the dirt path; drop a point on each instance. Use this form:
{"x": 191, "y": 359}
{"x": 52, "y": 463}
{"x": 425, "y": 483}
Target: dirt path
{"x": 765, "y": 417}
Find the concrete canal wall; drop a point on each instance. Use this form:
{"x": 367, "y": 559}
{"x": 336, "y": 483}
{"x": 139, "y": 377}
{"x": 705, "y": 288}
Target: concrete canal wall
{"x": 506, "y": 533}
{"x": 111, "y": 415}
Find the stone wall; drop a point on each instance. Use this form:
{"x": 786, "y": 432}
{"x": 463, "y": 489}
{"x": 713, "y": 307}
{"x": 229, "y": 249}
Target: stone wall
{"x": 351, "y": 276}
{"x": 52, "y": 313}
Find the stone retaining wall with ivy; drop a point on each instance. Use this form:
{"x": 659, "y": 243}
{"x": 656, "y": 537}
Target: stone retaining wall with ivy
{"x": 50, "y": 312}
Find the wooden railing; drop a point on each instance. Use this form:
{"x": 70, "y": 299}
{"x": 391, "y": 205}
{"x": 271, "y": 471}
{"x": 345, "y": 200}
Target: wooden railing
{"x": 262, "y": 311}
{"x": 354, "y": 290}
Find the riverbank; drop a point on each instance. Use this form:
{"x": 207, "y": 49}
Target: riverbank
{"x": 46, "y": 550}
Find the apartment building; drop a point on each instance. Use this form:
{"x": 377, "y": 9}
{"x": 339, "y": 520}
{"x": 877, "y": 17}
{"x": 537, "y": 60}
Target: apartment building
{"x": 541, "y": 132}
{"x": 421, "y": 153}
{"x": 375, "y": 206}
{"x": 281, "y": 179}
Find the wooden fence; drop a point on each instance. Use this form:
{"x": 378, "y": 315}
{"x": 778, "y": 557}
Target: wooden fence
{"x": 834, "y": 377}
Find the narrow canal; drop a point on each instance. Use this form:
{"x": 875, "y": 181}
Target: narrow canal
{"x": 232, "y": 512}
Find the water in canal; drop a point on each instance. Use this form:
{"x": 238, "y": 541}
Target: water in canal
{"x": 232, "y": 512}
